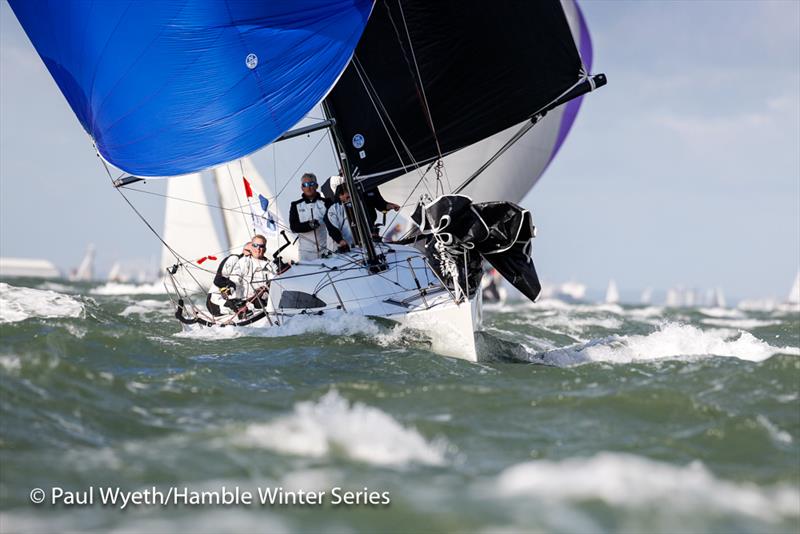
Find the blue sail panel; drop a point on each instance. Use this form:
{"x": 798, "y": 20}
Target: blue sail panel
{"x": 167, "y": 88}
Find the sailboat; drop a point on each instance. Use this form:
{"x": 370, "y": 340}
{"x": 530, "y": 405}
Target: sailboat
{"x": 793, "y": 298}
{"x": 612, "y": 294}
{"x": 425, "y": 99}
{"x": 85, "y": 271}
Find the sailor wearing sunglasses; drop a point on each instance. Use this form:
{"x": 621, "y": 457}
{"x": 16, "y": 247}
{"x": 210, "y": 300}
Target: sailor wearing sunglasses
{"x": 242, "y": 280}
{"x": 306, "y": 219}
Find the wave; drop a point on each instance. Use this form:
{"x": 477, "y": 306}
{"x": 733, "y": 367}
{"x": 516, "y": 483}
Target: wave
{"x": 630, "y": 481}
{"x": 741, "y": 323}
{"x": 357, "y": 431}
{"x": 148, "y": 307}
{"x": 20, "y": 303}
{"x": 116, "y": 288}
{"x": 334, "y": 324}
{"x": 669, "y": 341}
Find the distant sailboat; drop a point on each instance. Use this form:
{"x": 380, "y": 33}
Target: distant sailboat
{"x": 794, "y": 294}
{"x": 612, "y": 294}
{"x": 719, "y": 298}
{"x": 115, "y": 274}
{"x": 85, "y": 271}
{"x": 647, "y": 296}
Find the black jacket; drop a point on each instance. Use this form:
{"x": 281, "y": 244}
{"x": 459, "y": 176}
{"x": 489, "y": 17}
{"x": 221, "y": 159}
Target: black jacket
{"x": 294, "y": 219}
{"x": 223, "y": 281}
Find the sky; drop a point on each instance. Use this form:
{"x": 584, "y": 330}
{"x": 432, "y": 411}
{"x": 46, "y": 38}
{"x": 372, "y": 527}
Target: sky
{"x": 683, "y": 170}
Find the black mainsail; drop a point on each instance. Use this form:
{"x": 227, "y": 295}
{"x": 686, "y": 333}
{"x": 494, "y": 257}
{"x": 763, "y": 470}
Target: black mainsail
{"x": 430, "y": 78}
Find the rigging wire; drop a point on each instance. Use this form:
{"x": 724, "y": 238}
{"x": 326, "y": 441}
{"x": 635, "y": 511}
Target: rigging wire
{"x": 276, "y": 220}
{"x": 370, "y": 90}
{"x": 236, "y": 192}
{"x": 145, "y": 221}
{"x": 301, "y": 165}
{"x": 421, "y": 85}
{"x": 419, "y": 76}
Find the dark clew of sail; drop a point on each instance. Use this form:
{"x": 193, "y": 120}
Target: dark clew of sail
{"x": 429, "y": 78}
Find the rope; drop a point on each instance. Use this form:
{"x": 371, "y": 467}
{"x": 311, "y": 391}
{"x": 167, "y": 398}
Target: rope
{"x": 144, "y": 220}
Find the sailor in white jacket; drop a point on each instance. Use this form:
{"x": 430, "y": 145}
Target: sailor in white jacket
{"x": 306, "y": 219}
{"x": 338, "y": 222}
{"x": 242, "y": 280}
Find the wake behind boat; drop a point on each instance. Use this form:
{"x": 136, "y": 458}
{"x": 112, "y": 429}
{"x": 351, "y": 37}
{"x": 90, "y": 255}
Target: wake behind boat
{"x": 435, "y": 101}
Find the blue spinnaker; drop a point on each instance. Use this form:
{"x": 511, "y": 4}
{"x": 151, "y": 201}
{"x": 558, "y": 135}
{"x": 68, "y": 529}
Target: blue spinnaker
{"x": 172, "y": 87}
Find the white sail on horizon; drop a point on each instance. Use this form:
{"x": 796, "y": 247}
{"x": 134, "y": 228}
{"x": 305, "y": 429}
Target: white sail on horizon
{"x": 612, "y": 294}
{"x": 794, "y": 293}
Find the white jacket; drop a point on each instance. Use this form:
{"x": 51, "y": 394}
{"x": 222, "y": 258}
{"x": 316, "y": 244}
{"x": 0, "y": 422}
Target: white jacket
{"x": 301, "y": 214}
{"x": 248, "y": 274}
{"x": 338, "y": 223}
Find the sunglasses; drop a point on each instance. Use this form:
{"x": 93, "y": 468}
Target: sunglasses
{"x": 309, "y": 184}
{"x": 258, "y": 245}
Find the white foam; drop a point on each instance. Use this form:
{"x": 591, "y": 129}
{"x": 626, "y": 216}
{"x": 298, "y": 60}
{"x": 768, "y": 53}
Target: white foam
{"x": 116, "y": 288}
{"x": 669, "y": 341}
{"x": 334, "y": 324}
{"x": 20, "y": 303}
{"x": 645, "y": 313}
{"x": 577, "y": 324}
{"x": 146, "y": 307}
{"x": 779, "y": 436}
{"x": 61, "y": 288}
{"x": 624, "y": 480}
{"x": 722, "y": 312}
{"x": 10, "y": 362}
{"x": 740, "y": 323}
{"x": 358, "y": 431}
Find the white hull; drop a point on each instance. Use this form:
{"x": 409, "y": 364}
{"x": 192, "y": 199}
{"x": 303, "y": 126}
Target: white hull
{"x": 340, "y": 283}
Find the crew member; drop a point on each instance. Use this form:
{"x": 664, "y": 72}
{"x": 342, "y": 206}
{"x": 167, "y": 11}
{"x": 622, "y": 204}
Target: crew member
{"x": 338, "y": 222}
{"x": 373, "y": 201}
{"x": 241, "y": 280}
{"x": 306, "y": 219}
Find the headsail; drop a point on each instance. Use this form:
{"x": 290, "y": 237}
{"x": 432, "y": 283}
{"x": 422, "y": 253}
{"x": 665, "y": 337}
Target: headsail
{"x": 242, "y": 216}
{"x": 169, "y": 88}
{"x": 452, "y": 75}
{"x": 189, "y": 231}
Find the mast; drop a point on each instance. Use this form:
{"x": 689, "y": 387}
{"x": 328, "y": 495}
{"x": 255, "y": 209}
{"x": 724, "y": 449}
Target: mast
{"x": 364, "y": 235}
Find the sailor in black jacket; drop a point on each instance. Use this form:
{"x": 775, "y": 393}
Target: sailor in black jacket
{"x": 306, "y": 219}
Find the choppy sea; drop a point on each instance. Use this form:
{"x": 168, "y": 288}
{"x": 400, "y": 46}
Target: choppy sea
{"x": 594, "y": 418}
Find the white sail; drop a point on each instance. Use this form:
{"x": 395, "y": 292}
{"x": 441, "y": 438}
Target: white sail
{"x": 647, "y": 296}
{"x": 85, "y": 270}
{"x": 719, "y": 298}
{"x": 115, "y": 273}
{"x": 612, "y": 294}
{"x": 189, "y": 231}
{"x": 245, "y": 217}
{"x": 794, "y": 294}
